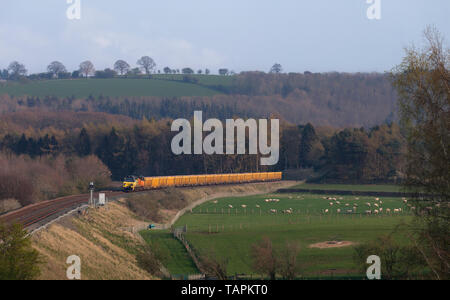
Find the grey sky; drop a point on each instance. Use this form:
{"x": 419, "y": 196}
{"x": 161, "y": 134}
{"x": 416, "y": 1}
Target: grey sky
{"x": 315, "y": 35}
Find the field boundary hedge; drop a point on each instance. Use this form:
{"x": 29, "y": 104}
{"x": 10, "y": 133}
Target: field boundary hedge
{"x": 343, "y": 193}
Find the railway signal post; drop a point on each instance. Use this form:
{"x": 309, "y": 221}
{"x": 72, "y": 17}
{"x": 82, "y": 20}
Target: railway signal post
{"x": 91, "y": 189}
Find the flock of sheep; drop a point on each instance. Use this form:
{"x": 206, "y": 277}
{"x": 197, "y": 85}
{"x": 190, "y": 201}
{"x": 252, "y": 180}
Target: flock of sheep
{"x": 375, "y": 208}
{"x": 342, "y": 207}
{"x": 272, "y": 211}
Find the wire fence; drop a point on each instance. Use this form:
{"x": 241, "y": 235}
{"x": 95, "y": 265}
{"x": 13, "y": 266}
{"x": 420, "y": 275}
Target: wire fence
{"x": 241, "y": 222}
{"x": 288, "y": 212}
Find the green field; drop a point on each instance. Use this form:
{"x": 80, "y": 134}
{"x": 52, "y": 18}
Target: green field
{"x": 231, "y": 232}
{"x": 208, "y": 80}
{"x": 350, "y": 187}
{"x": 110, "y": 87}
{"x": 178, "y": 261}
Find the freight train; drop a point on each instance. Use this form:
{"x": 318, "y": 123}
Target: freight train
{"x": 140, "y": 183}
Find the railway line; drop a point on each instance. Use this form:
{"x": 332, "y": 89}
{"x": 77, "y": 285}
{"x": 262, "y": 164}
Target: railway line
{"x": 35, "y": 214}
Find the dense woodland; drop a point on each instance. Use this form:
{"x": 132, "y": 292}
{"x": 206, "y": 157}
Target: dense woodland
{"x": 133, "y": 136}
{"x": 328, "y": 99}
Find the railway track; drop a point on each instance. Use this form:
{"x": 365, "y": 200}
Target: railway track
{"x": 44, "y": 212}
{"x": 48, "y": 210}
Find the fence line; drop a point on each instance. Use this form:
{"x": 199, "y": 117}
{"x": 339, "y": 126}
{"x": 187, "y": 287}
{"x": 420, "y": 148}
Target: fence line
{"x": 178, "y": 233}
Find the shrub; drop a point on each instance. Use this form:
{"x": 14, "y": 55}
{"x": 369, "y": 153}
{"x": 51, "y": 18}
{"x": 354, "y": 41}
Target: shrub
{"x": 14, "y": 186}
{"x": 18, "y": 259}
{"x": 397, "y": 262}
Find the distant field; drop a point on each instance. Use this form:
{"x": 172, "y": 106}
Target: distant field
{"x": 351, "y": 187}
{"x": 108, "y": 87}
{"x": 178, "y": 261}
{"x": 231, "y": 232}
{"x": 211, "y": 80}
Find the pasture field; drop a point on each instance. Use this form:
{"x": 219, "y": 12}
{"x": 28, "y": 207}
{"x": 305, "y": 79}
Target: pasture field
{"x": 351, "y": 187}
{"x": 208, "y": 80}
{"x": 230, "y": 232}
{"x": 117, "y": 87}
{"x": 177, "y": 260}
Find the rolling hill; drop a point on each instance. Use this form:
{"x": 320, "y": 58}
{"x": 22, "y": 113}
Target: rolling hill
{"x": 110, "y": 87}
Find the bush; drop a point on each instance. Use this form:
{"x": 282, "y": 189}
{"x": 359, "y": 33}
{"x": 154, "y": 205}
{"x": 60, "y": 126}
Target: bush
{"x": 397, "y": 262}
{"x": 14, "y": 186}
{"x": 146, "y": 207}
{"x": 31, "y": 180}
{"x": 150, "y": 259}
{"x": 18, "y": 259}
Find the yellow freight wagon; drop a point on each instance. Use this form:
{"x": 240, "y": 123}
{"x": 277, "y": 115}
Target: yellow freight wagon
{"x": 202, "y": 180}
{"x": 134, "y": 183}
{"x": 171, "y": 181}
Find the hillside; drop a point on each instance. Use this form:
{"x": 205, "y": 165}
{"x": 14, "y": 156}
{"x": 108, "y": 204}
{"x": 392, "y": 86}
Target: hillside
{"x": 103, "y": 239}
{"x": 325, "y": 99}
{"x": 82, "y": 88}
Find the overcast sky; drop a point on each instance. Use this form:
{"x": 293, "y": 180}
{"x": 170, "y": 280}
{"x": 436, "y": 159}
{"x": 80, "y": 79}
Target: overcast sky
{"x": 314, "y": 35}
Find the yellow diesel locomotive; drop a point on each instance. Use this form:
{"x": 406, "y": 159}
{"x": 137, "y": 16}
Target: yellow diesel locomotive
{"x": 136, "y": 183}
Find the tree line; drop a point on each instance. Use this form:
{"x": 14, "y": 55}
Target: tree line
{"x": 57, "y": 70}
{"x": 372, "y": 155}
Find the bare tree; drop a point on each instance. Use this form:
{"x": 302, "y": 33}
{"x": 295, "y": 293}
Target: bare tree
{"x": 17, "y": 69}
{"x": 87, "y": 68}
{"x": 121, "y": 67}
{"x": 56, "y": 68}
{"x": 265, "y": 259}
{"x": 147, "y": 64}
{"x": 289, "y": 265}
{"x": 423, "y": 84}
{"x": 214, "y": 265}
